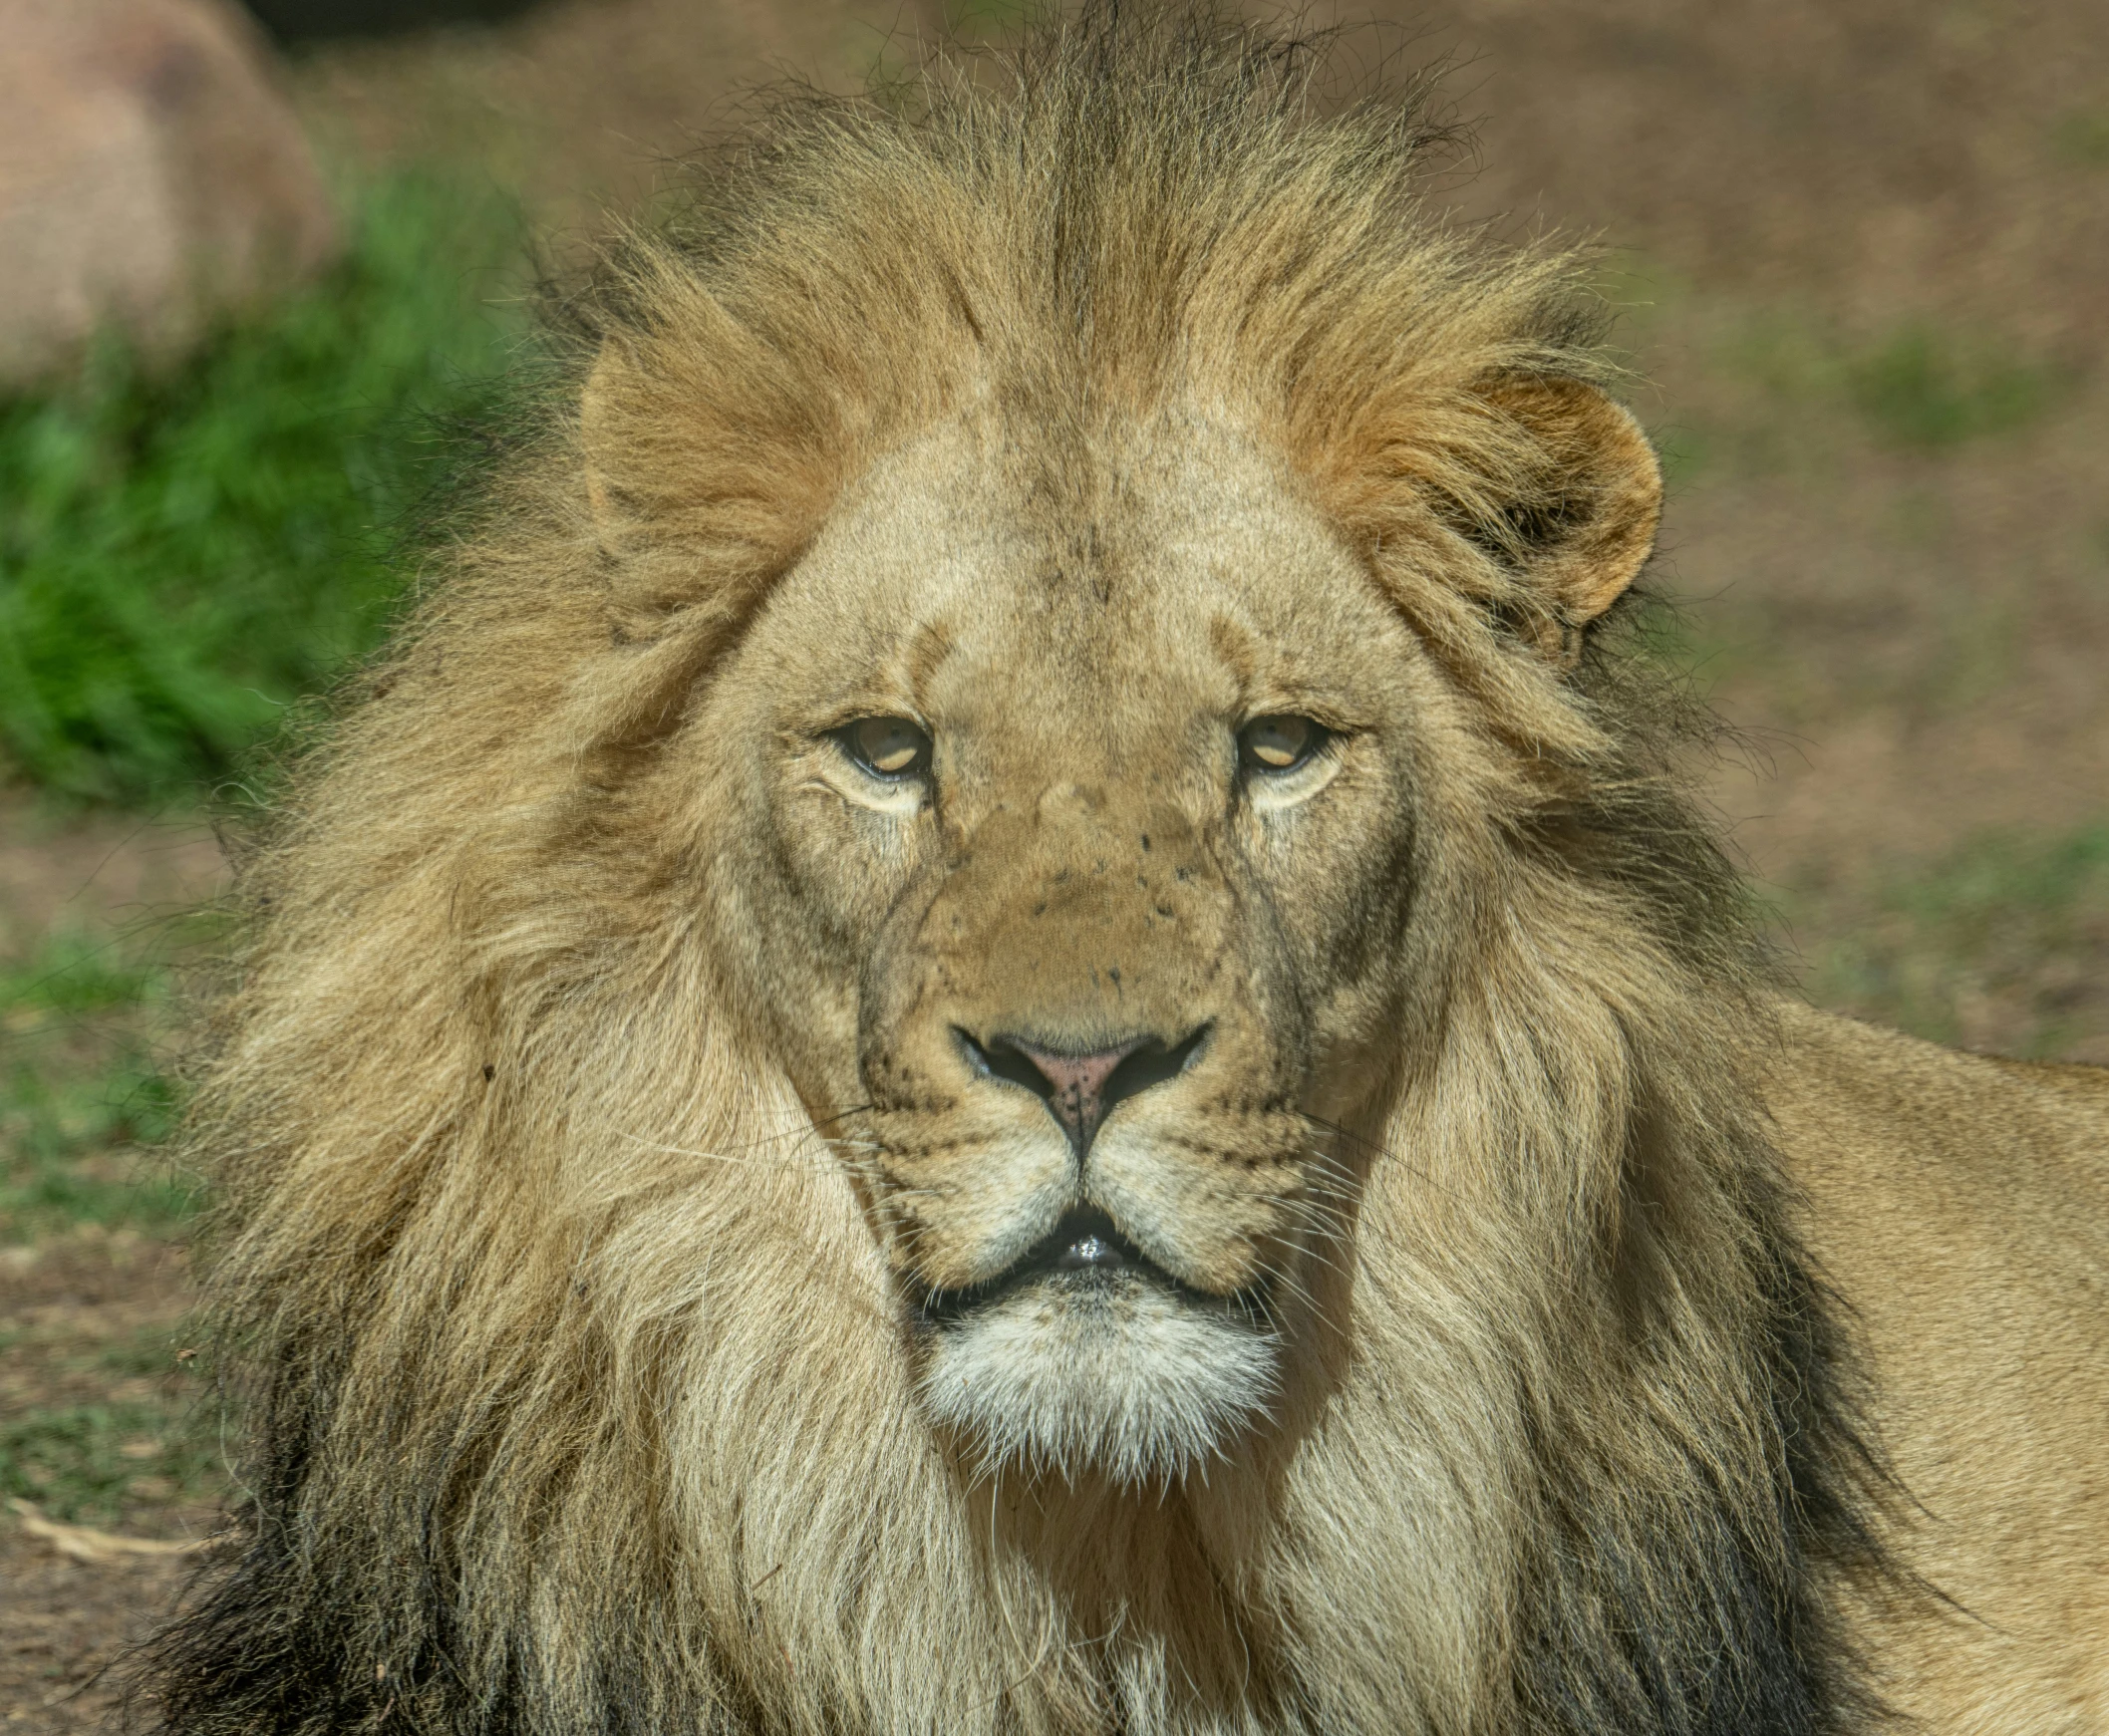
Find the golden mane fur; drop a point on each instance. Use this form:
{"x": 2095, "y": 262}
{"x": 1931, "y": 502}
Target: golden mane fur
{"x": 574, "y": 1400}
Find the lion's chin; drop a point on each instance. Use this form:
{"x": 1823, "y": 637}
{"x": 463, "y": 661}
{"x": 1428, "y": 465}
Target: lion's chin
{"x": 1091, "y": 1372}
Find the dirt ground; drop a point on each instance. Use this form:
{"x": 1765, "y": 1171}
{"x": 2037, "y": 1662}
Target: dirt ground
{"x": 91, "y": 1318}
{"x": 1863, "y": 250}
{"x": 63, "y": 1620}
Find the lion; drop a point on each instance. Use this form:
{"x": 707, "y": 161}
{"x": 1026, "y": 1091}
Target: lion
{"x": 1006, "y": 1017}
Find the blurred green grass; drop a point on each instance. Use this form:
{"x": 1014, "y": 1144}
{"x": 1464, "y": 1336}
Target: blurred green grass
{"x": 2001, "y": 942}
{"x": 1917, "y": 387}
{"x": 1925, "y": 388}
{"x": 87, "y": 1085}
{"x": 83, "y": 1464}
{"x": 184, "y": 556}
{"x": 2082, "y": 136}
{"x": 1780, "y": 389}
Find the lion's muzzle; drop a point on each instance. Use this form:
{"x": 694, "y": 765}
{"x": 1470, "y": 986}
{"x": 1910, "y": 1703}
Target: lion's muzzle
{"x": 1088, "y": 1158}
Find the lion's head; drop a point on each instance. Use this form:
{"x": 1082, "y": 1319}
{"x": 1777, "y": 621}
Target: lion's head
{"x": 1002, "y": 1022}
{"x": 1084, "y": 787}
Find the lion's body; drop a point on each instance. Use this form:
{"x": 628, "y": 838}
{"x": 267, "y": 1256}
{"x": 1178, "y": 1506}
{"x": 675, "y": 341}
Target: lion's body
{"x": 1005, "y": 1022}
{"x": 1959, "y": 1204}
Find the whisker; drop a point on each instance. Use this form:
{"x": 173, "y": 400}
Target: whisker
{"x": 1374, "y": 1148}
{"x": 757, "y": 1149}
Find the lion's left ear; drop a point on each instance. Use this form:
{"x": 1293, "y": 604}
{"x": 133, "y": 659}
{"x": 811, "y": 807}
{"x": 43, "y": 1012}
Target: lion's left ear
{"x": 1584, "y": 533}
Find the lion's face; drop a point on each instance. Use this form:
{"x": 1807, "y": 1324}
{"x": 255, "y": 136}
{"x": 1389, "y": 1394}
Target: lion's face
{"x": 1092, "y": 815}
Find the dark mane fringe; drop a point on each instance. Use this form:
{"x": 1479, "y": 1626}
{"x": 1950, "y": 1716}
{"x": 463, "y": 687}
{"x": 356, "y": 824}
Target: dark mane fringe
{"x": 1736, "y": 1627}
{"x": 462, "y": 1405}
{"x": 1726, "y": 1622}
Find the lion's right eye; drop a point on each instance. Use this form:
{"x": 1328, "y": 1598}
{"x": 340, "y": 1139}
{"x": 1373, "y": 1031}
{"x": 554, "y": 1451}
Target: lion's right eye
{"x": 890, "y": 748}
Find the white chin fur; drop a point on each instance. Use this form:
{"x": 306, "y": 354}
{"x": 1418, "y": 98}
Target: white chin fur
{"x": 1124, "y": 1378}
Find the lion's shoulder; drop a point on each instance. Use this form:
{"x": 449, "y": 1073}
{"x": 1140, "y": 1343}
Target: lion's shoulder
{"x": 2085, "y": 1086}
{"x": 1845, "y": 1091}
{"x": 1946, "y": 1169}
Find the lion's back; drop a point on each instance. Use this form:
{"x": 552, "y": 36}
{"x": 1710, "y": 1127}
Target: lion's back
{"x": 1961, "y": 1206}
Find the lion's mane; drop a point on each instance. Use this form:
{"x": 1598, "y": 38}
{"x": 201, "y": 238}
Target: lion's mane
{"x": 568, "y": 1406}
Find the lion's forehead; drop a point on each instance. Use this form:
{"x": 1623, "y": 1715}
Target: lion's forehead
{"x": 1168, "y": 574}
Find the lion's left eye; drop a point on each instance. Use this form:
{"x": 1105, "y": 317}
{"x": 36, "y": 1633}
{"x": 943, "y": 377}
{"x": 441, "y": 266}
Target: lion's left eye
{"x": 890, "y": 748}
{"x": 1274, "y": 744}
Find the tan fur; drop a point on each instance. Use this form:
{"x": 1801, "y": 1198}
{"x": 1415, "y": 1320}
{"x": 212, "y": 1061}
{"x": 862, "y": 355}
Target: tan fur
{"x": 593, "y": 1121}
{"x": 1957, "y": 1202}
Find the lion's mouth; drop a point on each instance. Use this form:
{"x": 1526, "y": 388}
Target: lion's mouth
{"x": 1087, "y": 1352}
{"x": 1083, "y": 1254}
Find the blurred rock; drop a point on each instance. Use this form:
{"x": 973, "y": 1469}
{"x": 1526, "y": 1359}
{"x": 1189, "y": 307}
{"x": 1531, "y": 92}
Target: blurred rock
{"x": 151, "y": 178}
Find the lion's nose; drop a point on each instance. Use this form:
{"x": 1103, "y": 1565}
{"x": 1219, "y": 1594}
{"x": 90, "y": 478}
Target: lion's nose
{"x": 1082, "y": 1089}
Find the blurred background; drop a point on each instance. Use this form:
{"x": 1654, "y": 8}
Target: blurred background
{"x": 262, "y": 271}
